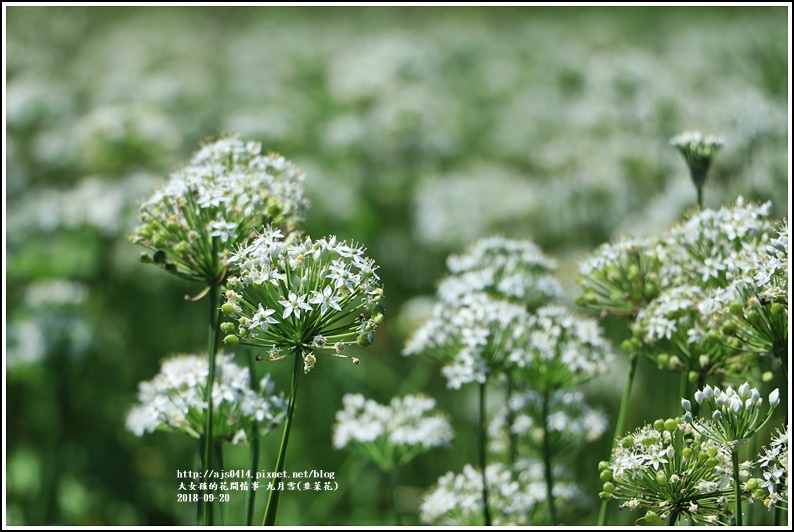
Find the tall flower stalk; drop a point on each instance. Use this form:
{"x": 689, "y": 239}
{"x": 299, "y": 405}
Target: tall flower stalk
{"x": 299, "y": 299}
{"x": 227, "y": 191}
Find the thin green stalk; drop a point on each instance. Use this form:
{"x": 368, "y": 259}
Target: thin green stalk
{"x": 547, "y": 459}
{"x": 217, "y": 448}
{"x": 776, "y": 516}
{"x": 272, "y": 501}
{"x": 512, "y": 436}
{"x": 393, "y": 490}
{"x": 624, "y": 404}
{"x": 254, "y": 443}
{"x": 683, "y": 389}
{"x": 700, "y": 197}
{"x": 212, "y": 347}
{"x": 483, "y": 444}
{"x": 737, "y": 485}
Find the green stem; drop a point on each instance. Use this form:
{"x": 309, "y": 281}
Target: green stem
{"x": 737, "y": 486}
{"x": 272, "y": 501}
{"x": 700, "y": 197}
{"x": 217, "y": 448}
{"x": 212, "y": 347}
{"x": 673, "y": 517}
{"x": 512, "y": 436}
{"x": 683, "y": 389}
{"x": 547, "y": 459}
{"x": 776, "y": 516}
{"x": 483, "y": 443}
{"x": 393, "y": 490}
{"x": 254, "y": 443}
{"x": 624, "y": 406}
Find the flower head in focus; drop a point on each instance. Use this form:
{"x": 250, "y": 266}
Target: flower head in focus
{"x": 774, "y": 466}
{"x": 308, "y": 296}
{"x": 226, "y": 192}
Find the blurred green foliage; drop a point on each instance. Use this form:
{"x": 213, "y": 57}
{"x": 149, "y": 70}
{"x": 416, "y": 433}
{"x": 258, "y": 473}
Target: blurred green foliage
{"x": 420, "y": 129}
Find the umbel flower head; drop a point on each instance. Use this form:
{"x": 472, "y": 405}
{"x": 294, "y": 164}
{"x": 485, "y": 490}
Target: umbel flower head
{"x": 391, "y": 435}
{"x": 515, "y": 270}
{"x": 571, "y": 422}
{"x": 472, "y": 335}
{"x": 302, "y": 296}
{"x": 672, "y": 472}
{"x": 620, "y": 277}
{"x": 228, "y": 190}
{"x": 679, "y": 330}
{"x": 513, "y": 499}
{"x": 735, "y": 415}
{"x": 174, "y": 401}
{"x": 712, "y": 247}
{"x": 559, "y": 350}
{"x": 698, "y": 151}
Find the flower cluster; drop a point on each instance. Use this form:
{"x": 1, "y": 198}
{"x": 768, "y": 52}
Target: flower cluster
{"x": 620, "y": 277}
{"x": 560, "y": 350}
{"x": 514, "y": 500}
{"x": 571, "y": 422}
{"x": 735, "y": 414}
{"x": 774, "y": 464}
{"x": 712, "y": 247}
{"x": 679, "y": 330}
{"x": 698, "y": 151}
{"x": 228, "y": 190}
{"x": 305, "y": 295}
{"x": 473, "y": 336}
{"x": 391, "y": 435}
{"x": 672, "y": 471}
{"x": 515, "y": 270}
{"x": 174, "y": 401}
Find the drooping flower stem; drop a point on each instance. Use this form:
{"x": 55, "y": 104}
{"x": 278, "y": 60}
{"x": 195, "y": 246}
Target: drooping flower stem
{"x": 212, "y": 346}
{"x": 737, "y": 484}
{"x": 272, "y": 501}
{"x": 547, "y": 458}
{"x": 249, "y": 520}
{"x": 393, "y": 492}
{"x": 624, "y": 403}
{"x": 483, "y": 445}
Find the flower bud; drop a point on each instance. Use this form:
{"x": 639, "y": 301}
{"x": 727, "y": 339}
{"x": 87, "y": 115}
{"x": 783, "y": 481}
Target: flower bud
{"x": 774, "y": 398}
{"x": 686, "y": 404}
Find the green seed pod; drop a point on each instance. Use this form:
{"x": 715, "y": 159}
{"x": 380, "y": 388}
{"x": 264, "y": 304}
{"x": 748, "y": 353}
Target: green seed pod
{"x": 778, "y": 309}
{"x": 663, "y": 360}
{"x": 752, "y": 484}
{"x": 686, "y": 452}
{"x": 231, "y": 340}
{"x": 604, "y": 496}
{"x": 753, "y": 316}
{"x": 606, "y": 475}
{"x": 227, "y": 327}
{"x": 712, "y": 451}
{"x": 227, "y": 308}
{"x": 364, "y": 339}
{"x": 649, "y": 440}
{"x": 652, "y": 518}
{"x": 661, "y": 478}
{"x": 651, "y": 290}
{"x": 609, "y": 487}
{"x": 627, "y": 442}
{"x": 712, "y": 462}
{"x": 670, "y": 424}
{"x": 602, "y": 465}
{"x": 693, "y": 376}
{"x": 729, "y": 328}
{"x": 736, "y": 308}
{"x": 658, "y": 424}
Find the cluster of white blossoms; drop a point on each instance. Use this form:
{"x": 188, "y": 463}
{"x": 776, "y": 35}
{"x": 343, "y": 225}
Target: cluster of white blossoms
{"x": 712, "y": 247}
{"x": 679, "y": 330}
{"x": 516, "y": 270}
{"x": 621, "y": 276}
{"x": 391, "y": 435}
{"x": 735, "y": 414}
{"x": 307, "y": 295}
{"x": 472, "y": 336}
{"x": 174, "y": 401}
{"x": 774, "y": 465}
{"x": 571, "y": 422}
{"x": 513, "y": 499}
{"x": 226, "y": 192}
{"x": 672, "y": 471}
{"x": 560, "y": 350}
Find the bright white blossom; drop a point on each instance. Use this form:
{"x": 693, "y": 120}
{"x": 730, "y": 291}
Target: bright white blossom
{"x": 391, "y": 435}
{"x": 305, "y": 295}
{"x": 174, "y": 401}
{"x": 774, "y": 466}
{"x": 228, "y": 190}
{"x": 671, "y": 470}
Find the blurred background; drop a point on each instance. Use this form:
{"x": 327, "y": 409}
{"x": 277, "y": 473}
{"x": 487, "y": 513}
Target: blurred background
{"x": 420, "y": 130}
